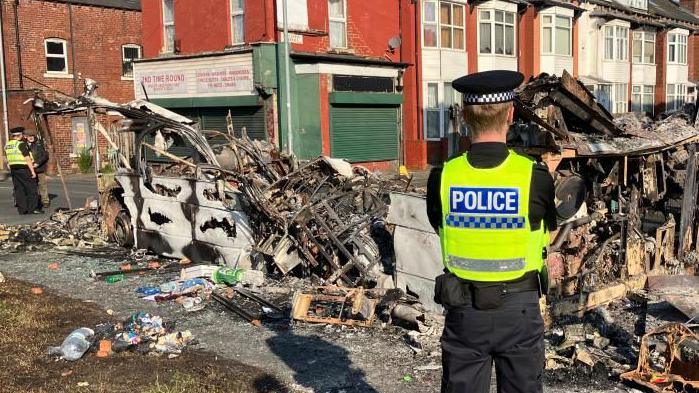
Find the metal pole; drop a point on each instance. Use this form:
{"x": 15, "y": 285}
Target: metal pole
{"x": 5, "y": 123}
{"x": 289, "y": 133}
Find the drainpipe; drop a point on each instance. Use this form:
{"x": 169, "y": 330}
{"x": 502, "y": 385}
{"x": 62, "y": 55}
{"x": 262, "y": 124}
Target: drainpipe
{"x": 3, "y": 87}
{"x": 18, "y": 46}
{"x": 72, "y": 48}
{"x": 287, "y": 83}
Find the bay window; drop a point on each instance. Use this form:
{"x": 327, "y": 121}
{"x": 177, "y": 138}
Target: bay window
{"x": 557, "y": 35}
{"x": 677, "y": 48}
{"x": 621, "y": 104}
{"x": 676, "y": 96}
{"x": 643, "y": 47}
{"x": 496, "y": 32}
{"x": 432, "y": 126}
{"x": 616, "y": 43}
{"x": 642, "y": 98}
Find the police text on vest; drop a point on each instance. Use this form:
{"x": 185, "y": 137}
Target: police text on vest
{"x": 480, "y": 200}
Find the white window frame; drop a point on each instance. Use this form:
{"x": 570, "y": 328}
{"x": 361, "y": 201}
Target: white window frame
{"x": 64, "y": 56}
{"x": 644, "y": 40}
{"x": 437, "y": 24}
{"x": 491, "y": 21}
{"x": 342, "y": 20}
{"x": 645, "y": 98}
{"x": 619, "y": 52}
{"x": 240, "y": 15}
{"x": 553, "y": 28}
{"x": 676, "y": 100}
{"x": 452, "y": 27}
{"x": 168, "y": 47}
{"x": 677, "y": 48}
{"x": 620, "y": 104}
{"x": 123, "y": 58}
{"x": 436, "y": 108}
{"x": 434, "y": 23}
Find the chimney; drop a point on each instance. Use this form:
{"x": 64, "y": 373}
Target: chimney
{"x": 692, "y": 5}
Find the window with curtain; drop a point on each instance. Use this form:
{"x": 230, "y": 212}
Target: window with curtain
{"x": 604, "y": 96}
{"x": 496, "y": 32}
{"x": 676, "y": 96}
{"x": 169, "y": 26}
{"x": 238, "y": 21}
{"x": 337, "y": 15}
{"x": 429, "y": 24}
{"x": 557, "y": 35}
{"x": 642, "y": 98}
{"x": 677, "y": 48}
{"x": 622, "y": 42}
{"x": 451, "y": 22}
{"x": 643, "y": 47}
{"x": 621, "y": 104}
{"x": 609, "y": 42}
{"x": 432, "y": 112}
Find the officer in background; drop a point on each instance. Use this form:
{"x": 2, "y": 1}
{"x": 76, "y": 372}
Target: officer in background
{"x": 21, "y": 165}
{"x": 493, "y": 209}
{"x": 41, "y": 160}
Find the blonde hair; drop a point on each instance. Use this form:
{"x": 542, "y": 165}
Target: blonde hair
{"x": 487, "y": 117}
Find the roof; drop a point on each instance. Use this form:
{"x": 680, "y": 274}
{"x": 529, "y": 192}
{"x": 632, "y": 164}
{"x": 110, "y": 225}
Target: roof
{"x": 131, "y": 5}
{"x": 670, "y": 9}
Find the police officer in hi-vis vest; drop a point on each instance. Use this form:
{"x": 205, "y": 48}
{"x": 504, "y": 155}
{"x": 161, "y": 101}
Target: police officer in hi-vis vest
{"x": 493, "y": 209}
{"x": 19, "y": 159}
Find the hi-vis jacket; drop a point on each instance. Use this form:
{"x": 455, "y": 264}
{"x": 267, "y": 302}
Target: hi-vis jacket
{"x": 486, "y": 233}
{"x": 13, "y": 154}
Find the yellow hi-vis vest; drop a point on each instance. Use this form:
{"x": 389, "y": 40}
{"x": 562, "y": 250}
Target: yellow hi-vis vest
{"x": 13, "y": 154}
{"x": 486, "y": 234}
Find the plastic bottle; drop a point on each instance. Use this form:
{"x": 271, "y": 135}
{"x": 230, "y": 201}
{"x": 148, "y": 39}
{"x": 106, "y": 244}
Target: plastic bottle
{"x": 114, "y": 278}
{"x": 75, "y": 345}
{"x": 168, "y": 287}
{"x": 228, "y": 275}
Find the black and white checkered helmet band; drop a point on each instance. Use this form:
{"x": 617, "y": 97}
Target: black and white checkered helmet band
{"x": 490, "y": 98}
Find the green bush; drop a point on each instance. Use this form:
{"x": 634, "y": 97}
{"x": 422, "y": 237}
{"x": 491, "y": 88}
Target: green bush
{"x": 107, "y": 168}
{"x": 85, "y": 160}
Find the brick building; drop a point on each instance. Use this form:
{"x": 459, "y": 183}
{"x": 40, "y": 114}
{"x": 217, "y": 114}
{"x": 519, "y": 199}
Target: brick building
{"x": 618, "y": 48}
{"x": 54, "y": 45}
{"x": 352, "y": 80}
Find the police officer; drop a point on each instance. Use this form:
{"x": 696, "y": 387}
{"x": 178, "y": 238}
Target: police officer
{"x": 492, "y": 208}
{"x": 21, "y": 165}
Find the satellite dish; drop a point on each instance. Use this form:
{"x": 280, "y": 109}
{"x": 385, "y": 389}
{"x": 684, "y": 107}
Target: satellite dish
{"x": 394, "y": 42}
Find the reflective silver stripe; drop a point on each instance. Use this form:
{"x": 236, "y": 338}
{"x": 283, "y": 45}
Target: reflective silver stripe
{"x": 486, "y": 265}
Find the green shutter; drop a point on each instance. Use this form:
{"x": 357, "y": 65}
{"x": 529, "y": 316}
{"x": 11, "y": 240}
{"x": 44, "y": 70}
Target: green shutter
{"x": 360, "y": 133}
{"x": 250, "y": 117}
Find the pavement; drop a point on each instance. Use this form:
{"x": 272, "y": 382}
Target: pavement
{"x": 80, "y": 187}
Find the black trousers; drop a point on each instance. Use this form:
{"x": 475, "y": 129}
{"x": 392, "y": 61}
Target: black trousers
{"x": 512, "y": 336}
{"x": 26, "y": 190}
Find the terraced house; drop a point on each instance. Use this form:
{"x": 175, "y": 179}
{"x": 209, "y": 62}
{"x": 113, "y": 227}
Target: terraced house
{"x": 636, "y": 55}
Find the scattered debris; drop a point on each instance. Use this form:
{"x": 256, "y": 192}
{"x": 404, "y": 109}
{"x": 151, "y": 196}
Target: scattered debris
{"x": 336, "y": 305}
{"x": 668, "y": 360}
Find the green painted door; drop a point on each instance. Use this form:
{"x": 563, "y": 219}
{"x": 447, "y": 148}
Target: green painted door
{"x": 360, "y": 133}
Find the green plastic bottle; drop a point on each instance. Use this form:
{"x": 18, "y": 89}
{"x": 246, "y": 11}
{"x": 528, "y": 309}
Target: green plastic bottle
{"x": 228, "y": 275}
{"x": 115, "y": 278}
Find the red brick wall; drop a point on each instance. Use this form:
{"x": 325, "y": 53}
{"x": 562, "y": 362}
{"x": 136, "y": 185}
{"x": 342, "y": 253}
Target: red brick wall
{"x": 660, "y": 70}
{"x": 99, "y": 34}
{"x": 693, "y": 57}
{"x": 527, "y": 56}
